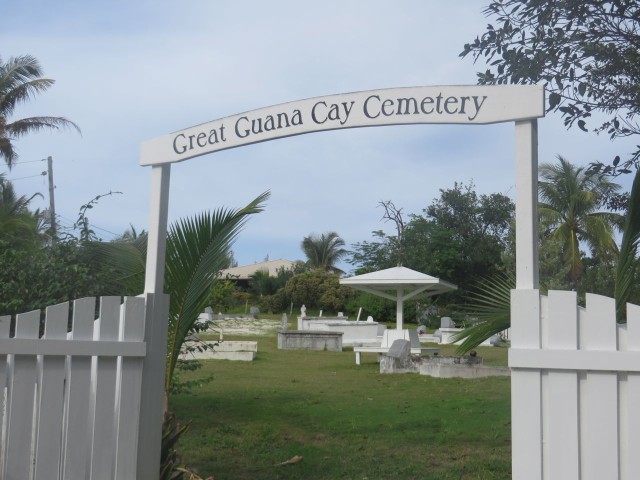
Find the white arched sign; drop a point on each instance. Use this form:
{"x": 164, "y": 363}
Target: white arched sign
{"x": 393, "y": 106}
{"x": 459, "y": 104}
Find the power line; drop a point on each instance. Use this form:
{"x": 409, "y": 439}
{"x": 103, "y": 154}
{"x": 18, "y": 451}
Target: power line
{"x": 30, "y": 161}
{"x": 30, "y": 176}
{"x": 72, "y": 224}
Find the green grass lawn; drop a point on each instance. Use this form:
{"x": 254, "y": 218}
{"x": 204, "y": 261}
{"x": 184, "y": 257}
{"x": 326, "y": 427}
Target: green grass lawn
{"x": 345, "y": 421}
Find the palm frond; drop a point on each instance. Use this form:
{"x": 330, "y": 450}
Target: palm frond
{"x": 627, "y": 258}
{"x": 490, "y": 308}
{"x": 197, "y": 249}
{"x": 34, "y": 124}
{"x": 21, "y": 93}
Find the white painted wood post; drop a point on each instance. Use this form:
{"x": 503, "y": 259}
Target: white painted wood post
{"x": 399, "y": 309}
{"x": 526, "y": 389}
{"x": 155, "y": 332}
{"x": 157, "y": 240}
{"x": 527, "y": 204}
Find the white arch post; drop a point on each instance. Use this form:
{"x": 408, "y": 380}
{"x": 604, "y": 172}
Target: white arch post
{"x": 458, "y": 104}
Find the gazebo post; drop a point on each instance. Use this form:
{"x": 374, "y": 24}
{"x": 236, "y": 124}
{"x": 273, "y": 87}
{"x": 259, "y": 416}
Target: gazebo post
{"x": 399, "y": 309}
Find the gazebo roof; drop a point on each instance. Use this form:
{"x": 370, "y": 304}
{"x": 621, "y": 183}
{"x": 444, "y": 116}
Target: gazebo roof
{"x": 411, "y": 282}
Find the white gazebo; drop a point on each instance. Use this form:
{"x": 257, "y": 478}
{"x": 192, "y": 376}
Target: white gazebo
{"x": 398, "y": 284}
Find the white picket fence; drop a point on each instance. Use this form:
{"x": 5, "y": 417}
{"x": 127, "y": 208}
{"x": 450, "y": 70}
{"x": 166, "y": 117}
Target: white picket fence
{"x": 575, "y": 388}
{"x": 71, "y": 399}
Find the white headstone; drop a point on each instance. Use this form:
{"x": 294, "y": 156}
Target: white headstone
{"x": 447, "y": 322}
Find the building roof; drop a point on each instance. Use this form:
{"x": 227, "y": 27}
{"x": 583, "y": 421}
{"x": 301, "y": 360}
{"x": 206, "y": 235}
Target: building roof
{"x": 244, "y": 272}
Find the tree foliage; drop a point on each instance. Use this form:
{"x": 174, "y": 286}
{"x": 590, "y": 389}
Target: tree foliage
{"x": 32, "y": 279}
{"x": 460, "y": 237}
{"x": 569, "y": 209}
{"x": 627, "y": 265}
{"x": 587, "y": 53}
{"x": 19, "y": 226}
{"x": 20, "y": 80}
{"x": 324, "y": 251}
{"x": 317, "y": 289}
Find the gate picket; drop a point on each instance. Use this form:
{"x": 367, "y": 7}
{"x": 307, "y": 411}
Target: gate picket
{"x": 20, "y": 403}
{"x": 66, "y": 390}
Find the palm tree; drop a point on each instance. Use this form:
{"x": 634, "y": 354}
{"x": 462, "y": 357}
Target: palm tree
{"x": 20, "y": 80}
{"x": 18, "y": 225}
{"x": 324, "y": 252}
{"x": 568, "y": 209}
{"x": 569, "y": 200}
{"x": 197, "y": 249}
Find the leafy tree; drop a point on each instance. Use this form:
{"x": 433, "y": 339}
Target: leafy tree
{"x": 20, "y": 80}
{"x": 221, "y": 295}
{"x": 32, "y": 279}
{"x": 586, "y": 53}
{"x": 460, "y": 238}
{"x": 324, "y": 251}
{"x": 374, "y": 255}
{"x": 318, "y": 289}
{"x": 470, "y": 230}
{"x": 569, "y": 203}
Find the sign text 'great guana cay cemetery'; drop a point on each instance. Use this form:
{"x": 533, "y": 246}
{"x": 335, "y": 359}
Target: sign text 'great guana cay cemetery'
{"x": 394, "y": 106}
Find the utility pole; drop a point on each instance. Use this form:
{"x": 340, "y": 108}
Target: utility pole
{"x": 52, "y": 203}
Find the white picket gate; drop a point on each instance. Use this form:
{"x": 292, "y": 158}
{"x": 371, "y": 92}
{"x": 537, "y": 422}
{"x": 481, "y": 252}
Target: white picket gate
{"x": 575, "y": 388}
{"x": 71, "y": 400}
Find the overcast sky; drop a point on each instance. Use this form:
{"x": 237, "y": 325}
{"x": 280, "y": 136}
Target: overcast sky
{"x": 127, "y": 71}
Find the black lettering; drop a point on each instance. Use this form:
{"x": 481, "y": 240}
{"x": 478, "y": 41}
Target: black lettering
{"x": 179, "y": 149}
{"x": 334, "y": 114}
{"x": 296, "y": 119}
{"x": 462, "y": 104}
{"x": 286, "y": 120}
{"x": 313, "y": 113}
{"x": 387, "y": 103}
{"x": 201, "y": 136}
{"x": 429, "y": 101}
{"x": 213, "y": 137}
{"x": 242, "y": 133}
{"x": 450, "y": 101}
{"x": 438, "y": 99}
{"x": 406, "y": 103}
{"x": 478, "y": 106}
{"x": 269, "y": 124}
{"x": 256, "y": 126}
{"x": 366, "y": 107}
